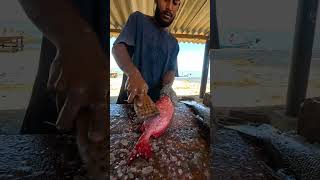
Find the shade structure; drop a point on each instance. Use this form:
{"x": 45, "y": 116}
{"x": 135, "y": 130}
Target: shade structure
{"x": 192, "y": 23}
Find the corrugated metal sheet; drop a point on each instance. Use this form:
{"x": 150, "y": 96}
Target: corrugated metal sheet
{"x": 192, "y": 23}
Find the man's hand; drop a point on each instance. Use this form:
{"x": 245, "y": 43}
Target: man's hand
{"x": 78, "y": 74}
{"x": 136, "y": 87}
{"x": 167, "y": 90}
{"x": 167, "y": 82}
{"x": 79, "y": 77}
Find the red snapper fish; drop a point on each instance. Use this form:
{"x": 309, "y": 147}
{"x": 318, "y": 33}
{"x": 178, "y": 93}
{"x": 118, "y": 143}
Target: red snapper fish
{"x": 154, "y": 127}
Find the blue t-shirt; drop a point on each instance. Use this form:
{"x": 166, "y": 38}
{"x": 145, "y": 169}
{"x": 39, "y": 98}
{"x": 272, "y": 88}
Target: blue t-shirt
{"x": 153, "y": 50}
{"x": 96, "y": 13}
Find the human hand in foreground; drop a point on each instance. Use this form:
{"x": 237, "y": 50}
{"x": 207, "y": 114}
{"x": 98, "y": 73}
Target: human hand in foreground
{"x": 79, "y": 77}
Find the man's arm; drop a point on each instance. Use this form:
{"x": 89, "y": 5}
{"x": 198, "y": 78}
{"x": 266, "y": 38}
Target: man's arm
{"x": 168, "y": 78}
{"x": 136, "y": 85}
{"x": 58, "y": 20}
{"x": 167, "y": 82}
{"x": 83, "y": 84}
{"x": 121, "y": 56}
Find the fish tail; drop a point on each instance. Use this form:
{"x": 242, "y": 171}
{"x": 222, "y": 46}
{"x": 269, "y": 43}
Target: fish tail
{"x": 141, "y": 149}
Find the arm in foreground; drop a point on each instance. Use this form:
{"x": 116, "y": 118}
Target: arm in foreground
{"x": 82, "y": 84}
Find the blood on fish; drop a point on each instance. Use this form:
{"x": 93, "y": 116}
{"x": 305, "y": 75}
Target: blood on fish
{"x": 154, "y": 127}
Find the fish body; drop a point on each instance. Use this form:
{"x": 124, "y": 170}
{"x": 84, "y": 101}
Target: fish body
{"x": 154, "y": 127}
{"x": 205, "y": 123}
{"x": 200, "y": 110}
{"x": 302, "y": 160}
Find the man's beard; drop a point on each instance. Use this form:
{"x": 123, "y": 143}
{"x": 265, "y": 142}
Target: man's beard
{"x": 162, "y": 23}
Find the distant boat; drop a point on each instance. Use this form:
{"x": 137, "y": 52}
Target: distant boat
{"x": 114, "y": 75}
{"x": 236, "y": 41}
{"x": 248, "y": 44}
{"x": 185, "y": 75}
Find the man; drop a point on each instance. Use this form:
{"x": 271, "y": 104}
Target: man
{"x": 147, "y": 53}
{"x": 73, "y": 38}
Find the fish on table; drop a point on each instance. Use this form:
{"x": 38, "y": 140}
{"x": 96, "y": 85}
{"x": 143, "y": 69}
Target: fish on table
{"x": 205, "y": 123}
{"x": 154, "y": 127}
{"x": 180, "y": 152}
{"x": 301, "y": 160}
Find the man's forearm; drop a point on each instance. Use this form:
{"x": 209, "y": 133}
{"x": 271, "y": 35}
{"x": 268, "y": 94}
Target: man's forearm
{"x": 168, "y": 78}
{"x": 123, "y": 59}
{"x": 58, "y": 21}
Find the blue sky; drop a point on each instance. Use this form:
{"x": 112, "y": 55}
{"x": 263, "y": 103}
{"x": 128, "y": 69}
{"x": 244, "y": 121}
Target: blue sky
{"x": 190, "y": 57}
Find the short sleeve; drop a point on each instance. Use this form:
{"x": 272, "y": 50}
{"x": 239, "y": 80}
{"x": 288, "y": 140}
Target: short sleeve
{"x": 129, "y": 31}
{"x": 173, "y": 64}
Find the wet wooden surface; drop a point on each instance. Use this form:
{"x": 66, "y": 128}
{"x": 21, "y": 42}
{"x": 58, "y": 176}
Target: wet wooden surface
{"x": 39, "y": 157}
{"x": 236, "y": 159}
{"x": 181, "y": 153}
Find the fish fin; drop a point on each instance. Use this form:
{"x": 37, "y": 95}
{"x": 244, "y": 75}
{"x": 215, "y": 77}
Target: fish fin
{"x": 142, "y": 128}
{"x": 141, "y": 149}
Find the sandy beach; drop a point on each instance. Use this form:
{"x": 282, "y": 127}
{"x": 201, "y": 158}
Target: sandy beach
{"x": 17, "y": 75}
{"x": 183, "y": 86}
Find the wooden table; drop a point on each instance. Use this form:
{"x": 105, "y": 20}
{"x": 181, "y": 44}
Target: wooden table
{"x": 180, "y": 153}
{"x": 39, "y": 156}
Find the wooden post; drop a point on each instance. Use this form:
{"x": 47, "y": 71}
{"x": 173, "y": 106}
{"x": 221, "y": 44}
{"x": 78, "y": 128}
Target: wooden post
{"x": 22, "y": 45}
{"x": 205, "y": 68}
{"x": 214, "y": 39}
{"x": 214, "y": 33}
{"x": 302, "y": 53}
{"x": 212, "y": 43}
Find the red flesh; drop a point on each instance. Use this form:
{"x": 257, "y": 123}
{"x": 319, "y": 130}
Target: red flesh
{"x": 153, "y": 127}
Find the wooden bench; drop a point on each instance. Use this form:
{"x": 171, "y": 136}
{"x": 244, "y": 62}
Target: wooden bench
{"x": 11, "y": 43}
